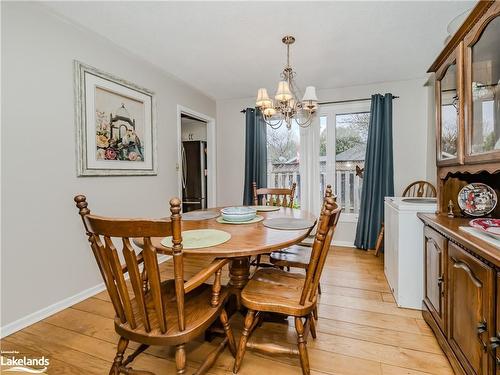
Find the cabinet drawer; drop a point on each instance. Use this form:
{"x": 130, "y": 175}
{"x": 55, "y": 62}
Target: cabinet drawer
{"x": 435, "y": 276}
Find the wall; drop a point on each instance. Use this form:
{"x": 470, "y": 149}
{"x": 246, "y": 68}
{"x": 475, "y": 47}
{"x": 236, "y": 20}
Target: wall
{"x": 412, "y": 149}
{"x": 45, "y": 256}
{"x": 193, "y": 130}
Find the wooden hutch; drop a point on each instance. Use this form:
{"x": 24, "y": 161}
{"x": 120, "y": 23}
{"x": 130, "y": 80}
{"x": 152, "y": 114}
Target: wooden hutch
{"x": 462, "y": 272}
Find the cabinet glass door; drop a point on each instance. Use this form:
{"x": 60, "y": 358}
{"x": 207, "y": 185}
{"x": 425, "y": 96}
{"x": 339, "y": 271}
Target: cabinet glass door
{"x": 449, "y": 94}
{"x": 484, "y": 119}
{"x": 449, "y": 114}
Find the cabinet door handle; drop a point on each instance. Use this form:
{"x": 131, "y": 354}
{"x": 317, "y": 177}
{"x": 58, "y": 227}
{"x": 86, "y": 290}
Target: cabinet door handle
{"x": 481, "y": 328}
{"x": 440, "y": 279}
{"x": 494, "y": 344}
{"x": 466, "y": 268}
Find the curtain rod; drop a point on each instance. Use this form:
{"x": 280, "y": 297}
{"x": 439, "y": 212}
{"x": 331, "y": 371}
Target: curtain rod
{"x": 339, "y": 101}
{"x": 351, "y": 100}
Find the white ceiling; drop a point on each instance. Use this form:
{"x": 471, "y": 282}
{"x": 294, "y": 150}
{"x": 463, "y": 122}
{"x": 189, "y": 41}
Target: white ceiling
{"x": 230, "y": 49}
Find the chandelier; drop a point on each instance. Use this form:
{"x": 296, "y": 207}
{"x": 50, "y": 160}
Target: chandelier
{"x": 286, "y": 106}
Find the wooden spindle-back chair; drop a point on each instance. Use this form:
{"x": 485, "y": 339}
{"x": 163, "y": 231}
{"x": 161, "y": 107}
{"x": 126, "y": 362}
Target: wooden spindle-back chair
{"x": 420, "y": 189}
{"x": 164, "y": 312}
{"x": 273, "y": 196}
{"x": 282, "y": 197}
{"x": 417, "y": 189}
{"x": 277, "y": 291}
{"x": 298, "y": 255}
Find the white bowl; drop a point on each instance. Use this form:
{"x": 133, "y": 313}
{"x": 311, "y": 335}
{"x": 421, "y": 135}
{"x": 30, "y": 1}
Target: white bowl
{"x": 238, "y": 214}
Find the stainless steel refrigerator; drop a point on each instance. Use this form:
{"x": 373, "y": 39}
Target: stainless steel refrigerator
{"x": 194, "y": 175}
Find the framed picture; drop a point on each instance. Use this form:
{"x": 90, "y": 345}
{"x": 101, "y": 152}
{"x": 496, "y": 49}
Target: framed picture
{"x": 116, "y": 125}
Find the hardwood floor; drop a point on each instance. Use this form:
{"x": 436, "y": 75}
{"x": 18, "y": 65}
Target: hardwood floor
{"x": 360, "y": 331}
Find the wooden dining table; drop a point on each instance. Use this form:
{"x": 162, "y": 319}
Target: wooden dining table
{"x": 246, "y": 240}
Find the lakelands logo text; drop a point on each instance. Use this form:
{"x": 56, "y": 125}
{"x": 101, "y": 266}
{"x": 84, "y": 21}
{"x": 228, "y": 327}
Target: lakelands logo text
{"x": 14, "y": 362}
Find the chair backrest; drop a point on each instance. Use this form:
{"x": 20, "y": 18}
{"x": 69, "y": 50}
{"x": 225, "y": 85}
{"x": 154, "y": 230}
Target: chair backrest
{"x": 322, "y": 241}
{"x": 150, "y": 303}
{"x": 420, "y": 189}
{"x": 274, "y": 196}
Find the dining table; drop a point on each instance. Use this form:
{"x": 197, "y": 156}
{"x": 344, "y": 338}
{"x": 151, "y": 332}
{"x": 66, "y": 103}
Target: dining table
{"x": 248, "y": 239}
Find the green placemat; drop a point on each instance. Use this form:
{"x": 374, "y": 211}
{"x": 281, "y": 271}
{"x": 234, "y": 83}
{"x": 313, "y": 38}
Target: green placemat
{"x": 199, "y": 238}
{"x": 266, "y": 208}
{"x": 256, "y": 219}
{"x": 288, "y": 223}
{"x": 200, "y": 215}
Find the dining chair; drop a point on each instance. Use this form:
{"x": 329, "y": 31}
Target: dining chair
{"x": 417, "y": 189}
{"x": 420, "y": 189}
{"x": 271, "y": 290}
{"x": 297, "y": 256}
{"x": 167, "y": 312}
{"x": 282, "y": 197}
{"x": 273, "y": 196}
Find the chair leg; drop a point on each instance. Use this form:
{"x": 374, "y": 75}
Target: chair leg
{"x": 315, "y": 312}
{"x": 380, "y": 240}
{"x": 257, "y": 261}
{"x": 243, "y": 340}
{"x": 180, "y": 359}
{"x": 312, "y": 326}
{"x": 301, "y": 342}
{"x": 229, "y": 332}
{"x": 117, "y": 363}
{"x": 319, "y": 288}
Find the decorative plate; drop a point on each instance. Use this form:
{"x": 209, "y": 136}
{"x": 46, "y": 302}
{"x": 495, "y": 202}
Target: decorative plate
{"x": 477, "y": 199}
{"x": 488, "y": 226}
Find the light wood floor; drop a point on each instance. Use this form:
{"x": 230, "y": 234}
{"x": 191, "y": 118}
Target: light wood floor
{"x": 360, "y": 331}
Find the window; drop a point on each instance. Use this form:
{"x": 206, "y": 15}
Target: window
{"x": 343, "y": 137}
{"x": 283, "y": 150}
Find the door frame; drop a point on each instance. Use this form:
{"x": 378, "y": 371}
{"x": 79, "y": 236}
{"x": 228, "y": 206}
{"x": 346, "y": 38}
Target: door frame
{"x": 211, "y": 153}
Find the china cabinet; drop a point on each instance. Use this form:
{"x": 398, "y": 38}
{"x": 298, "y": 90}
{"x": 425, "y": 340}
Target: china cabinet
{"x": 461, "y": 300}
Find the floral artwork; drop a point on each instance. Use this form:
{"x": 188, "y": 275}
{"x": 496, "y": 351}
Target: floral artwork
{"x": 115, "y": 123}
{"x": 118, "y": 132}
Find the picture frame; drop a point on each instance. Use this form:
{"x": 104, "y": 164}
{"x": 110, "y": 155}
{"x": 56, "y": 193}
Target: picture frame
{"x": 115, "y": 125}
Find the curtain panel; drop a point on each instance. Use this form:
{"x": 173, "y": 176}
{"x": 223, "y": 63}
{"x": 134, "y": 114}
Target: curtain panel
{"x": 255, "y": 153}
{"x": 378, "y": 179}
{"x": 310, "y": 199}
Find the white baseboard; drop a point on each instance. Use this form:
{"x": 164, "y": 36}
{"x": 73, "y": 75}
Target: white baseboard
{"x": 343, "y": 243}
{"x": 41, "y": 314}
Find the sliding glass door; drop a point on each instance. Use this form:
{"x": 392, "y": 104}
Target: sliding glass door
{"x": 343, "y": 137}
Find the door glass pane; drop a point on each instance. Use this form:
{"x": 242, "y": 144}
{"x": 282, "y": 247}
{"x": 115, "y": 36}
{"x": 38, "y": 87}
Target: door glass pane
{"x": 485, "y": 131}
{"x": 449, "y": 114}
{"x": 351, "y": 134}
{"x": 322, "y": 156}
{"x": 283, "y": 150}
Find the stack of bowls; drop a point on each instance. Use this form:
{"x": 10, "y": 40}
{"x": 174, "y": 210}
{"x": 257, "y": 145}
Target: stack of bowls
{"x": 238, "y": 214}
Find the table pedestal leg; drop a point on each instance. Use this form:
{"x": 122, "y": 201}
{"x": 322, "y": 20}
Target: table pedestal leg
{"x": 239, "y": 273}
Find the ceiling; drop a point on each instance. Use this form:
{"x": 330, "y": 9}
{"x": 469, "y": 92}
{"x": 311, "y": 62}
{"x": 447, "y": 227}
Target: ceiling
{"x": 230, "y": 49}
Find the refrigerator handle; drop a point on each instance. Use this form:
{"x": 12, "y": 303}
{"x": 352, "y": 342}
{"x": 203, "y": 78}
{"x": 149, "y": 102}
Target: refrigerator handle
{"x": 184, "y": 165}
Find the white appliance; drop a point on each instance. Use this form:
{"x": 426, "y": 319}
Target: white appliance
{"x": 404, "y": 248}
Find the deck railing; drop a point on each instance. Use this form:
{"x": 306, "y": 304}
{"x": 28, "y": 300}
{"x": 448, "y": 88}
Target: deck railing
{"x": 347, "y": 186}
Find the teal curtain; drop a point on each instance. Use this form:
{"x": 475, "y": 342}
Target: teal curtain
{"x": 378, "y": 181}
{"x": 255, "y": 153}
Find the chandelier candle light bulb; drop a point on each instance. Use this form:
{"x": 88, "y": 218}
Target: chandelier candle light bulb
{"x": 288, "y": 107}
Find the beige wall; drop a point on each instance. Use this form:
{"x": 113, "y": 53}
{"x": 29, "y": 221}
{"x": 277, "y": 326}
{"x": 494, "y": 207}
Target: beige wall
{"x": 45, "y": 256}
{"x": 413, "y": 154}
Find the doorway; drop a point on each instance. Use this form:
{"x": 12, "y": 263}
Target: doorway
{"x": 196, "y": 159}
